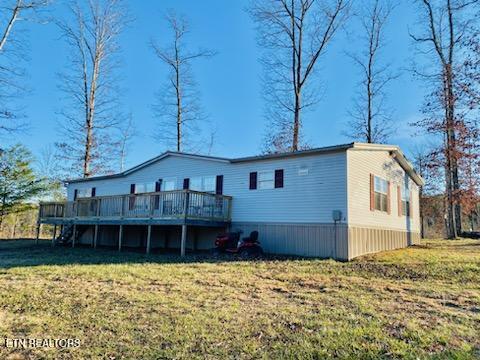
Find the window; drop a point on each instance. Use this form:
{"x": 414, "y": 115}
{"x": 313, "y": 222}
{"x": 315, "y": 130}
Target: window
{"x": 405, "y": 201}
{"x": 169, "y": 184}
{"x": 381, "y": 194}
{"x": 84, "y": 193}
{"x": 203, "y": 183}
{"x": 266, "y": 180}
{"x": 144, "y": 188}
{"x": 196, "y": 183}
{"x": 209, "y": 183}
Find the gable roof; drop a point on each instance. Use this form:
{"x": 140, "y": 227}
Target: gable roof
{"x": 394, "y": 150}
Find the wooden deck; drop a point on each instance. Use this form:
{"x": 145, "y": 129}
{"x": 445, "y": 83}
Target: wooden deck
{"x": 179, "y": 207}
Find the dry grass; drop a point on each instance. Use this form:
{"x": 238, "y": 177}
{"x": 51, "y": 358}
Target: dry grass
{"x": 412, "y": 303}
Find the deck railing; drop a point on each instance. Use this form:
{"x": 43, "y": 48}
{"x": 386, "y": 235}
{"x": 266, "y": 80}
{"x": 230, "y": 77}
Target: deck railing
{"x": 187, "y": 204}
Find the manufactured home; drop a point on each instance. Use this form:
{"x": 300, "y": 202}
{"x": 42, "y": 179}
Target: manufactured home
{"x": 331, "y": 202}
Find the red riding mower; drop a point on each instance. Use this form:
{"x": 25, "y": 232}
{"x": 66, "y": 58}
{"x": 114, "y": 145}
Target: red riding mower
{"x": 230, "y": 243}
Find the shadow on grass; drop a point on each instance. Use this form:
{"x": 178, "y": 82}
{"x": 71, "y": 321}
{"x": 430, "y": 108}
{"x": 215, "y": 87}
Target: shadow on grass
{"x": 24, "y": 252}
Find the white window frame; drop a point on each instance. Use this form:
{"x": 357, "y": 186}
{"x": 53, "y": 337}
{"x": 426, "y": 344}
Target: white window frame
{"x": 169, "y": 180}
{"x": 199, "y": 183}
{"x": 84, "y": 193}
{"x": 380, "y": 191}
{"x": 266, "y": 184}
{"x": 213, "y": 183}
{"x": 143, "y": 188}
{"x": 196, "y": 183}
{"x": 405, "y": 200}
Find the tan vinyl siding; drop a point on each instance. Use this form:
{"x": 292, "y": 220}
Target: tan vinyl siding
{"x": 363, "y": 241}
{"x": 361, "y": 165}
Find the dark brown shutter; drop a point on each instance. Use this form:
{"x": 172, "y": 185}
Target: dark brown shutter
{"x": 158, "y": 188}
{"x": 372, "y": 192}
{"x": 186, "y": 184}
{"x": 75, "y": 194}
{"x": 279, "y": 178}
{"x": 219, "y": 185}
{"x": 253, "y": 180}
{"x": 94, "y": 192}
{"x": 131, "y": 200}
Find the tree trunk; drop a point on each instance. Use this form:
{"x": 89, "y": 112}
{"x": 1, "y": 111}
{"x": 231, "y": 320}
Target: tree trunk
{"x": 179, "y": 116}
{"x": 8, "y": 29}
{"x": 296, "y": 122}
{"x": 369, "y": 98}
{"x": 452, "y": 167}
{"x": 457, "y": 206}
{"x": 88, "y": 133}
{"x": 179, "y": 98}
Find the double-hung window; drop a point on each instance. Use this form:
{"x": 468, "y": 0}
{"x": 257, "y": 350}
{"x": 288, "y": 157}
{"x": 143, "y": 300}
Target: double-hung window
{"x": 196, "y": 183}
{"x": 381, "y": 194}
{"x": 405, "y": 201}
{"x": 84, "y": 193}
{"x": 209, "y": 183}
{"x": 203, "y": 183}
{"x": 169, "y": 184}
{"x": 266, "y": 180}
{"x": 144, "y": 188}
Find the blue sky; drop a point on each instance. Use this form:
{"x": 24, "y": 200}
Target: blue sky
{"x": 229, "y": 83}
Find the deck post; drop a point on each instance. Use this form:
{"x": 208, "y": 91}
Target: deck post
{"x": 184, "y": 226}
{"x": 149, "y": 238}
{"x": 120, "y": 237}
{"x": 122, "y": 210}
{"x": 95, "y": 236}
{"x": 37, "y": 237}
{"x": 98, "y": 207}
{"x": 184, "y": 240}
{"x": 39, "y": 224}
{"x": 74, "y": 234}
{"x": 54, "y": 234}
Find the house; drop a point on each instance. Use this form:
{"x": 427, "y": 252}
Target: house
{"x": 331, "y": 202}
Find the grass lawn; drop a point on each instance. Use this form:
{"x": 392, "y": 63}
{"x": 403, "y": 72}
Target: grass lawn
{"x": 413, "y": 303}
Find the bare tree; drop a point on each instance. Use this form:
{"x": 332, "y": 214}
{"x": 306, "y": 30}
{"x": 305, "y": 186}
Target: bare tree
{"x": 12, "y": 56}
{"x": 47, "y": 168}
{"x": 470, "y": 165}
{"x": 446, "y": 24}
{"x": 294, "y": 35}
{"x": 179, "y": 109}
{"x": 370, "y": 118}
{"x": 424, "y": 165}
{"x": 90, "y": 115}
{"x": 127, "y": 133}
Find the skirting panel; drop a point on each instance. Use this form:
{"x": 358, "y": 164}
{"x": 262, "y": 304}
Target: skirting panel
{"x": 363, "y": 241}
{"x": 312, "y": 240}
